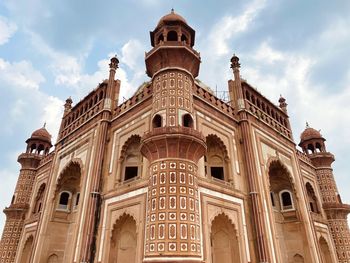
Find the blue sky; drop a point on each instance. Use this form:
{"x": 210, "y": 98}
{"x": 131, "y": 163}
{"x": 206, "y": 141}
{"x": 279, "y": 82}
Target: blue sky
{"x": 50, "y": 50}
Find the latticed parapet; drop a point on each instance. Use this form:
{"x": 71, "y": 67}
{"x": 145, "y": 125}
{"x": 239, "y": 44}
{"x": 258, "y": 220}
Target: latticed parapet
{"x": 173, "y": 142}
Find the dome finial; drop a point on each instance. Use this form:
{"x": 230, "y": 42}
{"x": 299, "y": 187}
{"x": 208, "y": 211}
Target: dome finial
{"x": 307, "y": 125}
{"x": 44, "y": 126}
{"x": 172, "y": 10}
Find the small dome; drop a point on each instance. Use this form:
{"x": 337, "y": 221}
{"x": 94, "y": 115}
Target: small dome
{"x": 172, "y": 17}
{"x": 310, "y": 133}
{"x": 41, "y": 134}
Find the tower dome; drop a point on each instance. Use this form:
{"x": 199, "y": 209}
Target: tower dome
{"x": 171, "y": 17}
{"x": 311, "y": 140}
{"x": 41, "y": 134}
{"x": 310, "y": 133}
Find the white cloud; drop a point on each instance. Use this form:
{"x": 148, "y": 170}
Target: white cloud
{"x": 7, "y": 29}
{"x": 21, "y": 74}
{"x": 230, "y": 26}
{"x": 266, "y": 54}
{"x": 131, "y": 53}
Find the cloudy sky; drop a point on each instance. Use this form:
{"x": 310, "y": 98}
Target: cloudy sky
{"x": 50, "y": 50}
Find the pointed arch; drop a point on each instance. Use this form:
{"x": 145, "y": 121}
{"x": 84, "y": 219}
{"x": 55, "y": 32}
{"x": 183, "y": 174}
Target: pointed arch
{"x": 313, "y": 203}
{"x": 27, "y": 250}
{"x": 123, "y": 242}
{"x": 216, "y": 158}
{"x": 224, "y": 240}
{"x": 325, "y": 251}
{"x": 298, "y": 258}
{"x": 53, "y": 258}
{"x": 131, "y": 158}
{"x": 39, "y": 198}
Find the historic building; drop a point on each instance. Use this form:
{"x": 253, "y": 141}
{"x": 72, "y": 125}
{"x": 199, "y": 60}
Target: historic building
{"x": 174, "y": 174}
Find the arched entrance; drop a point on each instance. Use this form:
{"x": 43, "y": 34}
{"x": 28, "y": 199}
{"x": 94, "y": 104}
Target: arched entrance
{"x": 325, "y": 252}
{"x": 27, "y": 249}
{"x": 123, "y": 241}
{"x": 224, "y": 242}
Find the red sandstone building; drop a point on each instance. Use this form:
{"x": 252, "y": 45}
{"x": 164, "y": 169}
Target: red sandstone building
{"x": 174, "y": 174}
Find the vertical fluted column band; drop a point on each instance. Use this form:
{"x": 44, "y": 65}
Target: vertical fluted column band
{"x": 173, "y": 223}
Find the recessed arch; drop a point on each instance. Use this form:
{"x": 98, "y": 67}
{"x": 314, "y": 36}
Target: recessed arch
{"x": 27, "y": 250}
{"x": 216, "y": 158}
{"x": 123, "y": 242}
{"x": 157, "y": 121}
{"x": 131, "y": 158}
{"x": 312, "y": 199}
{"x": 224, "y": 240}
{"x": 325, "y": 251}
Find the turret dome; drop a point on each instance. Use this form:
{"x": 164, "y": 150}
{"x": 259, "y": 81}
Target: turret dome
{"x": 171, "y": 17}
{"x": 41, "y": 134}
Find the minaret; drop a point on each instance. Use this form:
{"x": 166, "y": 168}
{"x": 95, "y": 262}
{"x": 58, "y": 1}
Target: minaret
{"x": 38, "y": 145}
{"x": 312, "y": 143}
{"x": 173, "y": 146}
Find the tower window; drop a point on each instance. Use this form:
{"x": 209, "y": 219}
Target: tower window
{"x": 187, "y": 121}
{"x": 172, "y": 36}
{"x": 130, "y": 172}
{"x": 160, "y": 38}
{"x": 217, "y": 172}
{"x": 286, "y": 200}
{"x": 184, "y": 38}
{"x": 63, "y": 202}
{"x": 157, "y": 121}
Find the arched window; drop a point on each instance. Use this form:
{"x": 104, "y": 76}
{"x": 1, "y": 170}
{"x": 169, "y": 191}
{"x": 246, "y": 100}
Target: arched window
{"x": 187, "y": 121}
{"x": 184, "y": 39}
{"x": 157, "y": 121}
{"x": 160, "y": 38}
{"x": 172, "y": 36}
{"x": 41, "y": 149}
{"x": 33, "y": 148}
{"x": 286, "y": 200}
{"x": 310, "y": 148}
{"x": 311, "y": 198}
{"x": 39, "y": 199}
{"x": 132, "y": 158}
{"x": 215, "y": 158}
{"x": 64, "y": 199}
{"x": 318, "y": 147}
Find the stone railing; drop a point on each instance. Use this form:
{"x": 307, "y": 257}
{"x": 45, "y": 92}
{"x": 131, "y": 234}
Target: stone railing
{"x": 214, "y": 101}
{"x": 79, "y": 118}
{"x": 269, "y": 120}
{"x": 47, "y": 158}
{"x": 303, "y": 157}
{"x": 137, "y": 98}
{"x": 173, "y": 130}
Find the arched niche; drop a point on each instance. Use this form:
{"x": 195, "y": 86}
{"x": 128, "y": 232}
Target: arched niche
{"x": 68, "y": 187}
{"x": 281, "y": 187}
{"x": 224, "y": 241}
{"x": 216, "y": 158}
{"x": 325, "y": 251}
{"x": 131, "y": 158}
{"x": 27, "y": 250}
{"x": 52, "y": 259}
{"x": 39, "y": 199}
{"x": 312, "y": 199}
{"x": 123, "y": 241}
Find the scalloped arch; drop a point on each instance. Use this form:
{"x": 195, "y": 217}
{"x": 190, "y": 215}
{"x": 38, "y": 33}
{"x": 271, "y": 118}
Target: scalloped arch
{"x": 74, "y": 161}
{"x": 217, "y": 139}
{"x": 135, "y": 138}
{"x": 273, "y": 160}
{"x": 218, "y": 213}
{"x": 124, "y": 214}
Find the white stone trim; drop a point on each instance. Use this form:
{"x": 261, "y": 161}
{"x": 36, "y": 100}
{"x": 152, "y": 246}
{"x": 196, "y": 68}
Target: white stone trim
{"x": 171, "y": 259}
{"x": 321, "y": 225}
{"x": 235, "y": 200}
{"x": 112, "y": 200}
{"x": 31, "y": 225}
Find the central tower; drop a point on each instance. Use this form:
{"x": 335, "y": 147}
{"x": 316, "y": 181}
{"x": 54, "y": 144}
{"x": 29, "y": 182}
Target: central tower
{"x": 173, "y": 146}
